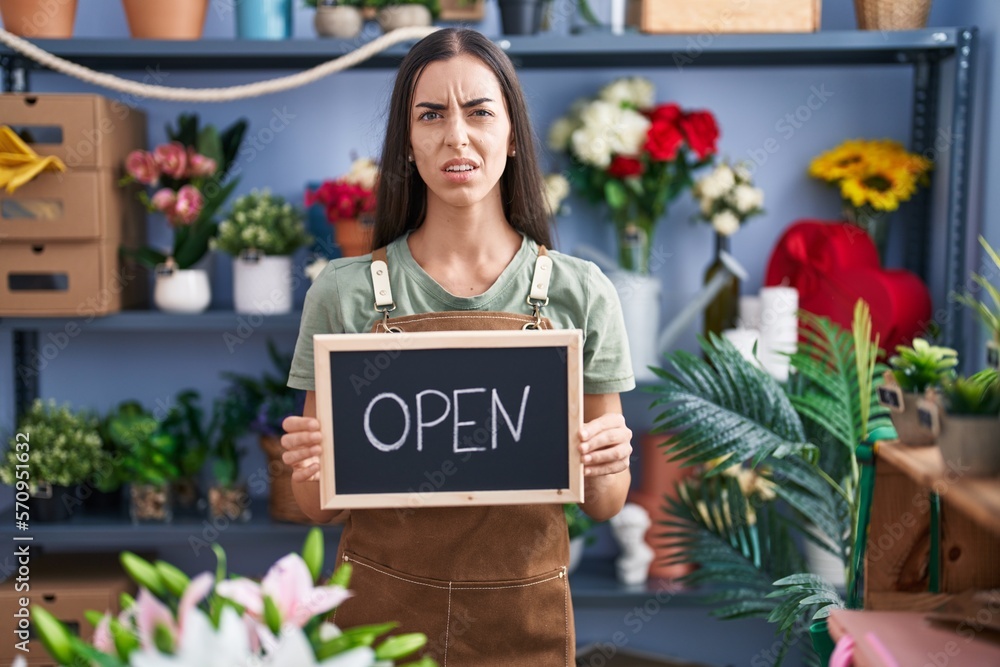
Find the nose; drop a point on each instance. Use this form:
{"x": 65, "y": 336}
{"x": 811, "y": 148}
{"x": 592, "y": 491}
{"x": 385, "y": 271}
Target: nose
{"x": 456, "y": 133}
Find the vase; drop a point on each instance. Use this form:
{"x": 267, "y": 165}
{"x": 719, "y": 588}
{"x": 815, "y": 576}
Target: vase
{"x": 181, "y": 290}
{"x": 403, "y": 16}
{"x": 353, "y": 236}
{"x": 659, "y": 478}
{"x": 281, "y": 503}
{"x": 262, "y": 284}
{"x": 39, "y": 19}
{"x": 264, "y": 19}
{"x": 230, "y": 502}
{"x": 874, "y": 223}
{"x": 640, "y": 301}
{"x": 150, "y": 503}
{"x": 723, "y": 311}
{"x": 634, "y": 244}
{"x": 338, "y": 21}
{"x": 51, "y": 503}
{"x": 180, "y": 19}
{"x": 521, "y": 17}
{"x": 892, "y": 14}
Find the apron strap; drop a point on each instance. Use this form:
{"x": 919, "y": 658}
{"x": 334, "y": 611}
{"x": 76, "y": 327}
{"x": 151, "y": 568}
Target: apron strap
{"x": 541, "y": 278}
{"x": 380, "y": 282}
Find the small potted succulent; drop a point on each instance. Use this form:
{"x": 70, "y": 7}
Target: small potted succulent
{"x": 337, "y": 18}
{"x": 149, "y": 455}
{"x": 988, "y": 314}
{"x": 913, "y": 369}
{"x": 53, "y": 450}
{"x": 970, "y": 426}
{"x": 261, "y": 231}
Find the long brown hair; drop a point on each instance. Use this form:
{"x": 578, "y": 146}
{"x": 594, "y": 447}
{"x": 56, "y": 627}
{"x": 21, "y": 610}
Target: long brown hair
{"x": 401, "y": 199}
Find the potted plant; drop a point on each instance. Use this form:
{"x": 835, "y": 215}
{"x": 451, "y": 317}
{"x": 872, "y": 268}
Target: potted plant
{"x": 149, "y": 455}
{"x": 337, "y": 18}
{"x": 283, "y": 620}
{"x": 914, "y": 369}
{"x": 179, "y": 19}
{"x": 188, "y": 175}
{"x": 184, "y": 424}
{"x": 39, "y": 19}
{"x": 260, "y": 232}
{"x": 53, "y": 450}
{"x": 970, "y": 424}
{"x": 579, "y": 525}
{"x": 346, "y": 202}
{"x": 228, "y": 496}
{"x": 521, "y": 17}
{"x": 393, "y": 14}
{"x": 268, "y": 400}
{"x": 990, "y": 315}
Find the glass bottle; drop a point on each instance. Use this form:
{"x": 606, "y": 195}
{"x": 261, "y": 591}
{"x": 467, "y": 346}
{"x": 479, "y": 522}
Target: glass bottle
{"x": 722, "y": 312}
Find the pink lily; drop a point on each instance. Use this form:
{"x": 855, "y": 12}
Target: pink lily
{"x": 150, "y": 612}
{"x": 290, "y": 586}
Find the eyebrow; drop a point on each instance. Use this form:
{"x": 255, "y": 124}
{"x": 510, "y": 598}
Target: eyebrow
{"x": 465, "y": 105}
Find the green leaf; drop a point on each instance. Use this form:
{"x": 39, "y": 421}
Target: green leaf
{"x": 173, "y": 578}
{"x": 163, "y": 639}
{"x": 210, "y": 145}
{"x": 272, "y": 617}
{"x": 144, "y": 256}
{"x": 54, "y": 635}
{"x": 342, "y": 575}
{"x": 143, "y": 573}
{"x": 400, "y": 646}
{"x": 312, "y": 552}
{"x": 615, "y": 194}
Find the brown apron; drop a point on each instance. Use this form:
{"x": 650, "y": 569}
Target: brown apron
{"x": 487, "y": 585}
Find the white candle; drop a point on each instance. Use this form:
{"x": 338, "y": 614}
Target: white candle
{"x": 617, "y": 17}
{"x": 778, "y": 306}
{"x": 750, "y": 312}
{"x": 744, "y": 341}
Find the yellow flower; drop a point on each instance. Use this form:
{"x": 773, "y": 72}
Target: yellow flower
{"x": 879, "y": 173}
{"x": 883, "y": 187}
{"x": 843, "y": 161}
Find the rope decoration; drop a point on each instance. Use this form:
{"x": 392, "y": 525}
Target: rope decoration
{"x": 241, "y": 92}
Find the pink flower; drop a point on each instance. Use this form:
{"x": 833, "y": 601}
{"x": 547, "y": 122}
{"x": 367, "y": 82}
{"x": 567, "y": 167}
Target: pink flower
{"x": 189, "y": 205}
{"x": 165, "y": 201}
{"x": 142, "y": 167}
{"x": 290, "y": 586}
{"x": 151, "y": 613}
{"x": 172, "y": 159}
{"x": 200, "y": 165}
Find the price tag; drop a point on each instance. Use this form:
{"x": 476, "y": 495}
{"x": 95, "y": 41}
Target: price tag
{"x": 928, "y": 414}
{"x": 891, "y": 396}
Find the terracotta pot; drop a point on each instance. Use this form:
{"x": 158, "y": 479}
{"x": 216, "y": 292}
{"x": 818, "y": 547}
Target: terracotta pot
{"x": 281, "y": 504}
{"x": 152, "y": 19}
{"x": 353, "y": 236}
{"x": 908, "y": 428}
{"x": 659, "y": 478}
{"x": 47, "y": 19}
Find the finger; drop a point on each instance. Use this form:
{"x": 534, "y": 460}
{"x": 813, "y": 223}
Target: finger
{"x": 293, "y": 424}
{"x": 296, "y": 457}
{"x": 292, "y": 441}
{"x": 602, "y": 423}
{"x": 606, "y": 469}
{"x": 308, "y": 474}
{"x": 606, "y": 439}
{"x": 620, "y": 452}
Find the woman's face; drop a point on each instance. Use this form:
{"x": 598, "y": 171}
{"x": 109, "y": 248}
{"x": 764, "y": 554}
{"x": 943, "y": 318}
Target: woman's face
{"x": 460, "y": 132}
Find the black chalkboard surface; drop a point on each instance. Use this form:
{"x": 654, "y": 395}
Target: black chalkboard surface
{"x": 450, "y": 418}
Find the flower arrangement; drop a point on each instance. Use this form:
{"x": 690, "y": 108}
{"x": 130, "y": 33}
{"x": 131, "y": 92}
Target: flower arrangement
{"x": 634, "y": 156}
{"x": 217, "y": 619}
{"x": 556, "y": 190}
{"x": 727, "y": 198}
{"x": 873, "y": 177}
{"x": 186, "y": 177}
{"x": 261, "y": 222}
{"x": 65, "y": 448}
{"x": 349, "y": 197}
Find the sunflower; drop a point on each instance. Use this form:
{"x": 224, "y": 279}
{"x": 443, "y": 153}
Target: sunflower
{"x": 846, "y": 160}
{"x": 883, "y": 187}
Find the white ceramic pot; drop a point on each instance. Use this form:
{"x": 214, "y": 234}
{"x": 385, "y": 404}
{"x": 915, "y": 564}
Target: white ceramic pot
{"x": 640, "y": 299}
{"x": 262, "y": 284}
{"x": 338, "y": 21}
{"x": 182, "y": 290}
{"x": 403, "y": 16}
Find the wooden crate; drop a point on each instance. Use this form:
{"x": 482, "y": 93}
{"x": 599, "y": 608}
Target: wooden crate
{"x": 724, "y": 16}
{"x": 460, "y": 10}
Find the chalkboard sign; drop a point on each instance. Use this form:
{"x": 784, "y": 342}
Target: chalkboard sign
{"x": 449, "y": 418}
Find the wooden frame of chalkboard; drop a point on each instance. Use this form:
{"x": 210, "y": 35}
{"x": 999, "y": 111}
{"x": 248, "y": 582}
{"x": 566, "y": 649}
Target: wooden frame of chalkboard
{"x": 389, "y": 407}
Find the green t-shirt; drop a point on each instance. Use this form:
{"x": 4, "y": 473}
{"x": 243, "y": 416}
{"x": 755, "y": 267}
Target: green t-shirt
{"x": 580, "y": 297}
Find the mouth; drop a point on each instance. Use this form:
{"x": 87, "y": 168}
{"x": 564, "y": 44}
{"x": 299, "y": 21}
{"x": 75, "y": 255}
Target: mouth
{"x": 459, "y": 166}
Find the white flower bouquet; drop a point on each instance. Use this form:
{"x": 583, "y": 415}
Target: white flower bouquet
{"x": 727, "y": 198}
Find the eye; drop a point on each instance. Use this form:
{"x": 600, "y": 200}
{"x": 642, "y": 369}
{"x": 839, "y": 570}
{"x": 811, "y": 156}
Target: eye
{"x": 482, "y": 112}
{"x": 427, "y": 115}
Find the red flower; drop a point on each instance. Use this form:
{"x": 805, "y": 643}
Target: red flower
{"x": 341, "y": 200}
{"x": 663, "y": 140}
{"x": 666, "y": 113}
{"x": 624, "y": 167}
{"x": 701, "y": 131}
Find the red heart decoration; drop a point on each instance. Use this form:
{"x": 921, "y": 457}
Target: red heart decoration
{"x": 834, "y": 264}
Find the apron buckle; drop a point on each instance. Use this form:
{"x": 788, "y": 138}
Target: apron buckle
{"x": 385, "y": 310}
{"x": 536, "y": 312}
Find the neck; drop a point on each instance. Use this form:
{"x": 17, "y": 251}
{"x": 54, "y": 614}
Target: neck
{"x": 475, "y": 233}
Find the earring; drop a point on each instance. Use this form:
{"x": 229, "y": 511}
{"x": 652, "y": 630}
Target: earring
{"x": 410, "y": 157}
{"x": 513, "y": 152}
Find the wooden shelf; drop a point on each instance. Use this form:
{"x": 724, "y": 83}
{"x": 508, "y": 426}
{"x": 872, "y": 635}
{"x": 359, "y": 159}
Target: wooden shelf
{"x": 977, "y": 497}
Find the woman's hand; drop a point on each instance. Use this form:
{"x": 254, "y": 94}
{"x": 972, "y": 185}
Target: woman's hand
{"x": 605, "y": 445}
{"x": 301, "y": 443}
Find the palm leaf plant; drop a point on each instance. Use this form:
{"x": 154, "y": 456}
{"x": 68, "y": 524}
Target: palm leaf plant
{"x": 778, "y": 465}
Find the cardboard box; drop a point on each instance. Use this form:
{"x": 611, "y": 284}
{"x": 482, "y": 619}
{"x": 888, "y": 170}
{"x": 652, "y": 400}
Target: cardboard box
{"x": 84, "y": 131}
{"x": 724, "y": 16}
{"x": 78, "y": 204}
{"x": 67, "y": 585}
{"x": 68, "y": 279}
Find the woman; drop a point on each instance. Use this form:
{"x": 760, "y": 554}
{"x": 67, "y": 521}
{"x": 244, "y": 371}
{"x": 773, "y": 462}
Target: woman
{"x": 460, "y": 222}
